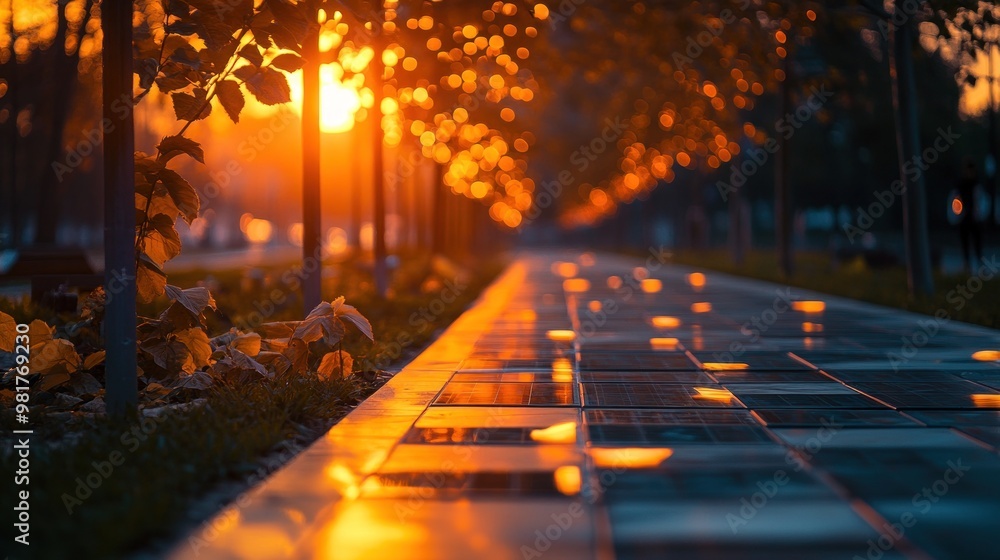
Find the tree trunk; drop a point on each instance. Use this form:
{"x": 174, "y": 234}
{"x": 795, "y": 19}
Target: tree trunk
{"x": 119, "y": 216}
{"x": 378, "y": 178}
{"x": 312, "y": 210}
{"x": 918, "y": 261}
{"x": 782, "y": 189}
{"x": 438, "y": 215}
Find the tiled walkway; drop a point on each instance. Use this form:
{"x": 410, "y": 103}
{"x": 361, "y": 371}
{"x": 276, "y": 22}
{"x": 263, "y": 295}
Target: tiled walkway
{"x": 600, "y": 409}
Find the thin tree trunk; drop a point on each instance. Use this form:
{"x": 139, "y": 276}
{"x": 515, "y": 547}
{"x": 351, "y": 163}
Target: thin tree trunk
{"x": 438, "y": 214}
{"x": 918, "y": 262}
{"x": 782, "y": 187}
{"x": 312, "y": 210}
{"x": 378, "y": 179}
{"x": 119, "y": 216}
{"x": 357, "y": 191}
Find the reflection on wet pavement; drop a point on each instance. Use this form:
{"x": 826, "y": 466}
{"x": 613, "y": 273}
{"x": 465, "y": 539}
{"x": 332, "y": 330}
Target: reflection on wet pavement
{"x": 596, "y": 408}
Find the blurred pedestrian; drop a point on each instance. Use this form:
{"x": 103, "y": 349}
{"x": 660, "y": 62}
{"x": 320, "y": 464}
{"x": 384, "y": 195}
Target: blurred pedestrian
{"x": 968, "y": 207}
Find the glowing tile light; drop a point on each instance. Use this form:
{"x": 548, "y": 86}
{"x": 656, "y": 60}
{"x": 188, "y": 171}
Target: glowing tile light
{"x": 986, "y": 356}
{"x": 713, "y": 394}
{"x": 696, "y": 280}
{"x": 665, "y": 322}
{"x": 809, "y": 306}
{"x": 565, "y": 269}
{"x": 629, "y": 457}
{"x": 563, "y": 432}
{"x": 986, "y": 400}
{"x": 725, "y": 366}
{"x": 701, "y": 307}
{"x": 812, "y": 327}
{"x": 576, "y": 285}
{"x": 664, "y": 343}
{"x": 561, "y": 335}
{"x": 651, "y": 285}
{"x": 568, "y": 480}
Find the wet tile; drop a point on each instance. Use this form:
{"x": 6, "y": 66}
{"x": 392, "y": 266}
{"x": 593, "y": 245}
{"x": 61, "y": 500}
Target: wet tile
{"x": 656, "y": 395}
{"x": 874, "y": 438}
{"x": 495, "y": 417}
{"x": 689, "y": 377}
{"x": 478, "y": 364}
{"x": 959, "y": 394}
{"x": 789, "y": 389}
{"x": 447, "y": 530}
{"x": 830, "y": 417}
{"x": 670, "y": 417}
{"x": 675, "y": 435}
{"x": 475, "y": 458}
{"x": 889, "y": 376}
{"x": 958, "y": 417}
{"x": 628, "y": 362}
{"x": 754, "y": 376}
{"x": 514, "y": 394}
{"x": 769, "y": 361}
{"x": 438, "y": 485}
{"x": 515, "y": 377}
{"x": 460, "y": 435}
{"x": 809, "y": 401}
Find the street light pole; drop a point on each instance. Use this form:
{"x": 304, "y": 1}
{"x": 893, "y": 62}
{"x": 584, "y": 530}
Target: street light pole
{"x": 119, "y": 214}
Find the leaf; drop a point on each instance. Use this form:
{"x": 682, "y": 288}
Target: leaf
{"x": 252, "y": 54}
{"x": 56, "y": 355}
{"x": 278, "y": 329}
{"x": 150, "y": 280}
{"x": 194, "y": 300}
{"x": 237, "y": 366}
{"x": 320, "y": 324}
{"x": 162, "y": 203}
{"x": 184, "y": 195}
{"x": 270, "y": 87}
{"x": 161, "y": 242}
{"x": 335, "y": 363}
{"x": 172, "y": 146}
{"x": 246, "y": 72}
{"x": 188, "y": 107}
{"x": 53, "y": 380}
{"x": 8, "y": 332}
{"x": 173, "y": 76}
{"x": 197, "y": 344}
{"x": 289, "y": 62}
{"x": 297, "y": 354}
{"x": 249, "y": 344}
{"x": 94, "y": 360}
{"x": 215, "y": 32}
{"x": 39, "y": 331}
{"x": 82, "y": 383}
{"x": 198, "y": 380}
{"x": 276, "y": 362}
{"x": 351, "y": 313}
{"x": 231, "y": 98}
{"x": 147, "y": 68}
{"x": 171, "y": 355}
